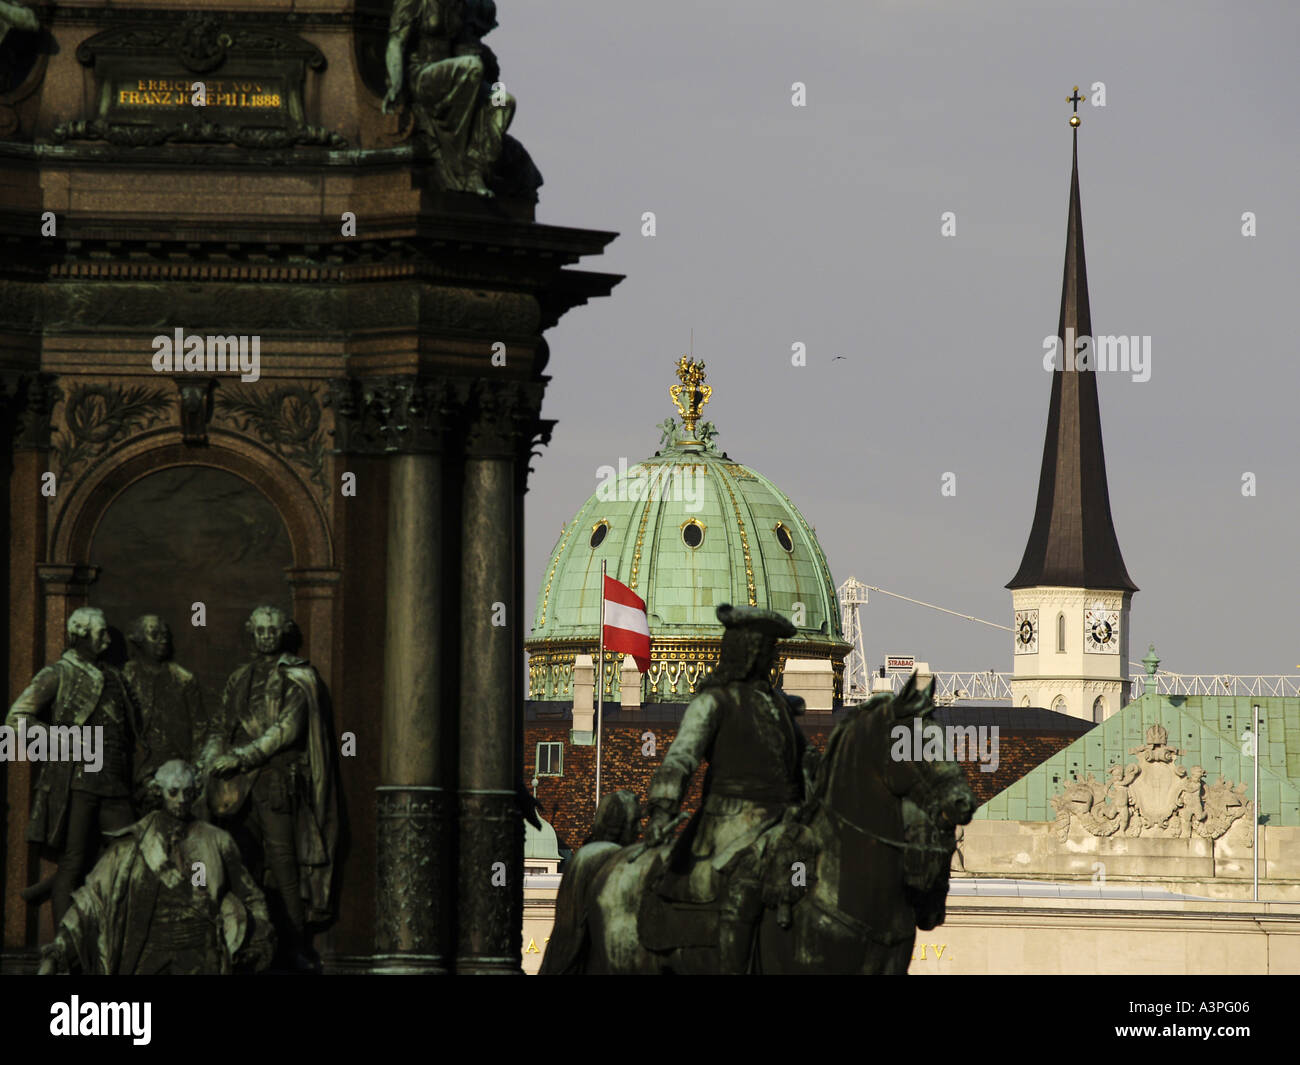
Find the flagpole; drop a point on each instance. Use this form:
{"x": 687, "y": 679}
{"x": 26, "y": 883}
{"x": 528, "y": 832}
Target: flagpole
{"x": 1254, "y": 734}
{"x": 600, "y": 685}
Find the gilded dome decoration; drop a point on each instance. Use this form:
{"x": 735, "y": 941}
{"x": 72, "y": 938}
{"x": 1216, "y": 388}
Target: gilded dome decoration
{"x": 687, "y": 529}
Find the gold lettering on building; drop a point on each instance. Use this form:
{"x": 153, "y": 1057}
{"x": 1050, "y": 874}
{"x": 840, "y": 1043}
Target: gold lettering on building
{"x": 176, "y": 92}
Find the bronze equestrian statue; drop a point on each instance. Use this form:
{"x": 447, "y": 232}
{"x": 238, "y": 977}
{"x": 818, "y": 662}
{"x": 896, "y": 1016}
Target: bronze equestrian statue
{"x": 792, "y": 863}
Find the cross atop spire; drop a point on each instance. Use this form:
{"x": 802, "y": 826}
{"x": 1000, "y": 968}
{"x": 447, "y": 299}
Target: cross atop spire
{"x": 1076, "y": 99}
{"x": 1072, "y": 542}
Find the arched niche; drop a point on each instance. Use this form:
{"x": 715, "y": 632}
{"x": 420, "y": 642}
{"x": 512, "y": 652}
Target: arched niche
{"x": 188, "y": 535}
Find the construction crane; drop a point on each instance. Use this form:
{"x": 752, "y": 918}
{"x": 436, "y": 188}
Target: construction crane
{"x": 857, "y": 673}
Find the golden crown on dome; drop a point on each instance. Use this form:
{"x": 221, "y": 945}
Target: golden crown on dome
{"x": 690, "y": 396}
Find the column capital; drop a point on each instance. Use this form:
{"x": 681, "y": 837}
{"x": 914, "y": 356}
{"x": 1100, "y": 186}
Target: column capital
{"x": 67, "y": 578}
{"x": 27, "y": 401}
{"x": 327, "y": 578}
{"x": 503, "y": 420}
{"x": 400, "y": 413}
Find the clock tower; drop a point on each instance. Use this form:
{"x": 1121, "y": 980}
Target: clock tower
{"x": 1072, "y": 593}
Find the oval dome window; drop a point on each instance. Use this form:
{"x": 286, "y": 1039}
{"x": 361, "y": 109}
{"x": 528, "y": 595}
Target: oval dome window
{"x": 599, "y": 533}
{"x": 692, "y": 534}
{"x": 783, "y": 537}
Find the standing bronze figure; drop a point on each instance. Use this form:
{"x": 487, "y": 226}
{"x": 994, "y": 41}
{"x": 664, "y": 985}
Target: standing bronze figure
{"x": 274, "y": 778}
{"x": 169, "y": 698}
{"x": 74, "y": 801}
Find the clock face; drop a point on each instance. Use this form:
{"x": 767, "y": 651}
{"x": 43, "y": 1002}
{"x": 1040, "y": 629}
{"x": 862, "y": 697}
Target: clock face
{"x": 1026, "y": 632}
{"x": 1101, "y": 630}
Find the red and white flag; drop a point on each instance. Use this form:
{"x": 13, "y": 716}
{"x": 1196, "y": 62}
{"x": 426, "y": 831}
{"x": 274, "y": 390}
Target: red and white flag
{"x": 627, "y": 628}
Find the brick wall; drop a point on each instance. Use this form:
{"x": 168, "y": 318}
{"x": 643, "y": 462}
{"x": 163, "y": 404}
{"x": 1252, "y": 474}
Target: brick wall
{"x": 568, "y": 801}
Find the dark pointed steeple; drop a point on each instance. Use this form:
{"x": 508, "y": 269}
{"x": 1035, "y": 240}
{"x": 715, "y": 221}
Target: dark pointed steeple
{"x": 1073, "y": 542}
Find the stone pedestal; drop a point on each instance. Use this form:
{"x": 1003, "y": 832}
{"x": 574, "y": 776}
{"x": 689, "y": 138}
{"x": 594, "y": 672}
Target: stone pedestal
{"x": 382, "y": 430}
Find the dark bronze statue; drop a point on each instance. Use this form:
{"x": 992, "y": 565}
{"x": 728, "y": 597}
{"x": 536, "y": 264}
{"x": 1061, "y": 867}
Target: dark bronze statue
{"x": 13, "y": 63}
{"x": 271, "y": 759}
{"x": 759, "y": 764}
{"x": 169, "y": 698}
{"x": 16, "y": 17}
{"x": 437, "y": 60}
{"x": 792, "y": 863}
{"x": 74, "y": 801}
{"x": 170, "y": 896}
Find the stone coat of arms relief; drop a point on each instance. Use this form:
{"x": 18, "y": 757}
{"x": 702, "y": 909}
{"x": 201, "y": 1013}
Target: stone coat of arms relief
{"x": 1152, "y": 797}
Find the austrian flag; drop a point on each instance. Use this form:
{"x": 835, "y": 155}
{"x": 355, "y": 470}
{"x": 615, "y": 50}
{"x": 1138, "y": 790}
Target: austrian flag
{"x": 627, "y": 628}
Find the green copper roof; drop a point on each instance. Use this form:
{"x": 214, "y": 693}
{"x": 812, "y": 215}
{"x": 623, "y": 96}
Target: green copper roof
{"x": 541, "y": 843}
{"x": 741, "y": 557}
{"x": 1208, "y": 728}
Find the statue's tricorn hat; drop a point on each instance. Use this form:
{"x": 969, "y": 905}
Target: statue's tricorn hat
{"x": 753, "y": 619}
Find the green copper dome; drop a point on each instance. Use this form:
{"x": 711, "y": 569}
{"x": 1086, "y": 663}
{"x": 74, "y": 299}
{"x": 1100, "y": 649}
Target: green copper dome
{"x": 686, "y": 529}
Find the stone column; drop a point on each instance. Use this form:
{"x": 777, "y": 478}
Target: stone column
{"x": 491, "y": 853}
{"x": 315, "y": 592}
{"x": 26, "y": 401}
{"x": 411, "y": 798}
{"x": 66, "y": 587}
{"x": 402, "y": 416}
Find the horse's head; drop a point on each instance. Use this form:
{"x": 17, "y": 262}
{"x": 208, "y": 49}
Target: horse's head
{"x": 896, "y": 807}
{"x": 875, "y": 748}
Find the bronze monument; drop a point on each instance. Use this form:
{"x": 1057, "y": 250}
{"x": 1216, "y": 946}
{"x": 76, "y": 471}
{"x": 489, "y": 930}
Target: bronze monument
{"x": 272, "y": 754}
{"x": 793, "y": 863}
{"x": 75, "y": 799}
{"x": 169, "y": 897}
{"x": 367, "y": 478}
{"x": 169, "y": 698}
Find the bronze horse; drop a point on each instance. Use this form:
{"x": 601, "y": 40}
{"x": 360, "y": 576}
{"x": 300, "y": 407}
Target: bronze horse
{"x": 849, "y": 876}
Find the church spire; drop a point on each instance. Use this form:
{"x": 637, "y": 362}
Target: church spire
{"x": 1072, "y": 542}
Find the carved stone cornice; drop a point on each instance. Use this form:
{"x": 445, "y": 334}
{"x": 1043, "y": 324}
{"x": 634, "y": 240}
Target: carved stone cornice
{"x": 382, "y": 415}
{"x": 201, "y": 41}
{"x": 272, "y": 19}
{"x": 126, "y": 135}
{"x": 300, "y": 302}
{"x": 1072, "y": 683}
{"x": 1038, "y": 596}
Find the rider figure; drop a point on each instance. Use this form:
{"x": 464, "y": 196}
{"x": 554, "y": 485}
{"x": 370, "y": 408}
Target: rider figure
{"x": 759, "y": 765}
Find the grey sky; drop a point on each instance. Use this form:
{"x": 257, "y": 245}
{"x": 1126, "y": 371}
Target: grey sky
{"x": 821, "y": 224}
